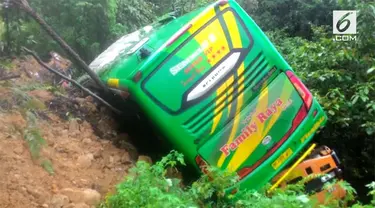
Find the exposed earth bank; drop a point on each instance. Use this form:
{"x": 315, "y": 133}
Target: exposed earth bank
{"x": 56, "y": 150}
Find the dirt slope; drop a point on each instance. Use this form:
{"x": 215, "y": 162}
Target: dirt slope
{"x": 76, "y": 165}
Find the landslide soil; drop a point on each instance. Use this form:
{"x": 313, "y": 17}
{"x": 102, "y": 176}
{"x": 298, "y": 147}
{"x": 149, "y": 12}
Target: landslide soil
{"x": 78, "y": 164}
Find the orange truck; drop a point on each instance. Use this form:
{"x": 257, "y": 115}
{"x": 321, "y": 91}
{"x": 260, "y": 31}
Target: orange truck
{"x": 321, "y": 166}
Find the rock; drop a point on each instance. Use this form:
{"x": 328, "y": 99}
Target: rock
{"x": 23, "y": 190}
{"x": 91, "y": 197}
{"x": 145, "y": 158}
{"x": 86, "y": 125}
{"x": 86, "y": 141}
{"x": 61, "y": 149}
{"x": 116, "y": 159}
{"x": 89, "y": 104}
{"x": 104, "y": 142}
{"x": 73, "y": 194}
{"x": 85, "y": 160}
{"x": 86, "y": 129}
{"x": 34, "y": 192}
{"x": 83, "y": 182}
{"x": 94, "y": 137}
{"x": 96, "y": 187}
{"x": 18, "y": 150}
{"x": 45, "y": 205}
{"x": 80, "y": 205}
{"x": 39, "y": 194}
{"x": 71, "y": 205}
{"x": 73, "y": 126}
{"x": 86, "y": 196}
{"x": 108, "y": 160}
{"x": 54, "y": 188}
{"x": 98, "y": 153}
{"x": 80, "y": 100}
{"x": 125, "y": 158}
{"x": 53, "y": 117}
{"x": 64, "y": 132}
{"x": 56, "y": 131}
{"x": 59, "y": 200}
{"x": 89, "y": 99}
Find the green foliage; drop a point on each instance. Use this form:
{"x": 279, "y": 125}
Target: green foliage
{"x": 6, "y": 64}
{"x": 24, "y": 101}
{"x": 57, "y": 90}
{"x": 47, "y": 165}
{"x": 34, "y": 104}
{"x": 20, "y": 95}
{"x": 341, "y": 77}
{"x": 83, "y": 24}
{"x": 296, "y": 17}
{"x": 149, "y": 186}
{"x": 162, "y": 7}
{"x": 36, "y": 142}
{"x": 32, "y": 136}
{"x": 89, "y": 26}
{"x": 30, "y": 107}
{"x": 131, "y": 15}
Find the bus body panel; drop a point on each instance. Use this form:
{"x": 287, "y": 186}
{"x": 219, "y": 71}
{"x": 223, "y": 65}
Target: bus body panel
{"x": 221, "y": 93}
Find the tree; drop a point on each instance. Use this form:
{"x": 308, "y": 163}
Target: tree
{"x": 296, "y": 17}
{"x": 24, "y": 5}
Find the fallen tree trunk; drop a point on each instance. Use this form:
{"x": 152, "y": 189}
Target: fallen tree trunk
{"x": 10, "y": 77}
{"x": 39, "y": 60}
{"x": 26, "y": 72}
{"x": 24, "y": 5}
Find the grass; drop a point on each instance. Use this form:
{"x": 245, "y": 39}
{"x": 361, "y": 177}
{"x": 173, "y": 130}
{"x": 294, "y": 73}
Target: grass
{"x": 33, "y": 136}
{"x": 25, "y": 101}
{"x": 36, "y": 142}
{"x": 29, "y": 107}
{"x": 47, "y": 165}
{"x": 149, "y": 186}
{"x": 6, "y": 64}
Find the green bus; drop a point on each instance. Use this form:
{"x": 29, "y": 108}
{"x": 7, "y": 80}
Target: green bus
{"x": 217, "y": 88}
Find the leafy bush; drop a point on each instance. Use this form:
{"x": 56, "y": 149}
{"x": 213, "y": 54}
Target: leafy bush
{"x": 341, "y": 76}
{"x": 89, "y": 26}
{"x": 296, "y": 17}
{"x": 149, "y": 186}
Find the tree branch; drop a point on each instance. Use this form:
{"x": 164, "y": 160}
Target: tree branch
{"x": 10, "y": 77}
{"x": 26, "y": 72}
{"x": 70, "y": 80}
{"x": 24, "y": 5}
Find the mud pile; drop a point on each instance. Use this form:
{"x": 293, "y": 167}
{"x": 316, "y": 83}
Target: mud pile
{"x": 56, "y": 149}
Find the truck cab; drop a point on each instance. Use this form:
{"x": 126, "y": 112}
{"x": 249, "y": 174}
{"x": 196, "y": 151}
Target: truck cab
{"x": 320, "y": 168}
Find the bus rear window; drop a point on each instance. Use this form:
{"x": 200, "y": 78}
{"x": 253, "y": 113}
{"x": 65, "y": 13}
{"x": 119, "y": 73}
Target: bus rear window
{"x": 195, "y": 68}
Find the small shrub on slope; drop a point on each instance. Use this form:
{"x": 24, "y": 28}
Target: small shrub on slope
{"x": 149, "y": 186}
